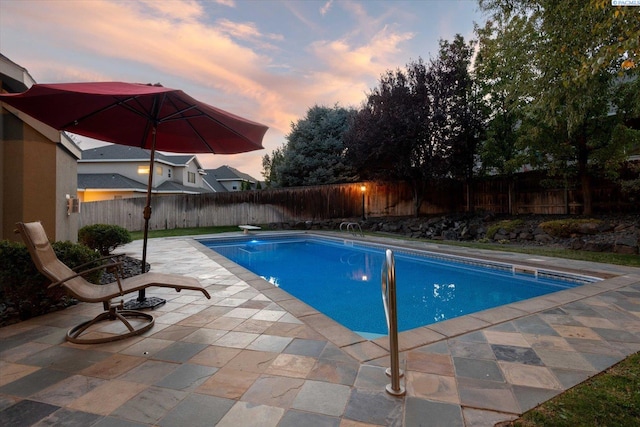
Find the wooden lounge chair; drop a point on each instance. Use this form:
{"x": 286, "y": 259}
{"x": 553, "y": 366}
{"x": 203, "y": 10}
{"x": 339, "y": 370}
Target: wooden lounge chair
{"x": 49, "y": 265}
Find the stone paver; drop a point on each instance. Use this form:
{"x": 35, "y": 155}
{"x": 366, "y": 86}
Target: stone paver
{"x": 254, "y": 355}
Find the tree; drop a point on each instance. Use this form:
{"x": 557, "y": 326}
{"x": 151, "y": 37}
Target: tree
{"x": 459, "y": 112}
{"x": 421, "y": 124}
{"x": 504, "y": 75}
{"x": 565, "y": 102}
{"x": 390, "y": 136}
{"x": 270, "y": 166}
{"x": 314, "y": 153}
{"x": 615, "y": 31}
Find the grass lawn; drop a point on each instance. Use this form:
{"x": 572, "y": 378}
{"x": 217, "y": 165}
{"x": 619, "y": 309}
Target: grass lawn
{"x": 604, "y": 257}
{"x": 611, "y": 398}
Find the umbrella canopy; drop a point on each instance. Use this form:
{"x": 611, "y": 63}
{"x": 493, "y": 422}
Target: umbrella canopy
{"x": 126, "y": 113}
{"x": 139, "y": 115}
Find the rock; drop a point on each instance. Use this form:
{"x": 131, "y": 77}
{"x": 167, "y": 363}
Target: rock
{"x": 449, "y": 235}
{"x": 625, "y": 250}
{"x": 626, "y": 244}
{"x": 576, "y": 244}
{"x": 300, "y": 225}
{"x": 606, "y": 234}
{"x": 543, "y": 238}
{"x": 589, "y": 228}
{"x": 525, "y": 235}
{"x": 500, "y": 236}
{"x": 605, "y": 227}
{"x": 622, "y": 227}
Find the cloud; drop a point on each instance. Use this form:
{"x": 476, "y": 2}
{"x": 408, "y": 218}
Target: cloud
{"x": 231, "y": 62}
{"x": 247, "y": 31}
{"x": 176, "y": 10}
{"x": 326, "y": 7}
{"x": 228, "y": 3}
{"x": 346, "y": 58}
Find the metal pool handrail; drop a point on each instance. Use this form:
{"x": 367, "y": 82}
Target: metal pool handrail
{"x": 390, "y": 311}
{"x": 351, "y": 227}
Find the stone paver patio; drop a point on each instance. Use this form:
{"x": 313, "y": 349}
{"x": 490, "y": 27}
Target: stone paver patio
{"x": 255, "y": 356}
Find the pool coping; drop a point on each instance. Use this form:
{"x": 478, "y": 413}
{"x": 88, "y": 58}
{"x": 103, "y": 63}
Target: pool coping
{"x": 376, "y": 351}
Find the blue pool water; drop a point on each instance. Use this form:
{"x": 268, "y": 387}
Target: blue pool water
{"x": 342, "y": 280}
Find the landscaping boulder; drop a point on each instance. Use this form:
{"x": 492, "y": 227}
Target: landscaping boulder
{"x": 626, "y": 244}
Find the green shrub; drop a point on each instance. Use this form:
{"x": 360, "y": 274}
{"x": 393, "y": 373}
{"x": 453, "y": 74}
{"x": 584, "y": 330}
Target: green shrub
{"x": 74, "y": 254}
{"x": 23, "y": 290}
{"x": 508, "y": 225}
{"x": 103, "y": 238}
{"x": 566, "y": 227}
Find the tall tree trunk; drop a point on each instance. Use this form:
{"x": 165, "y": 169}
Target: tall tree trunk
{"x": 583, "y": 174}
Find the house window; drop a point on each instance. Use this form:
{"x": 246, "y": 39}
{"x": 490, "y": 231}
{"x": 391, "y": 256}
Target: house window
{"x": 191, "y": 177}
{"x": 159, "y": 170}
{"x": 143, "y": 170}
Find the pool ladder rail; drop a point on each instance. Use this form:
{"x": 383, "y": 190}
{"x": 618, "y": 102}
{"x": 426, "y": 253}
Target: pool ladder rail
{"x": 390, "y": 311}
{"x": 352, "y": 227}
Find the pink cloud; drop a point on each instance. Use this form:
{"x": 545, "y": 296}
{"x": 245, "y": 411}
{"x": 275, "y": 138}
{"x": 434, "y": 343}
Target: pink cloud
{"x": 227, "y": 63}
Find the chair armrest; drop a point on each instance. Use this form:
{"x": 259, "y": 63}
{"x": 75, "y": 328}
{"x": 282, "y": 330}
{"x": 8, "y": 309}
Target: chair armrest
{"x": 82, "y": 273}
{"x": 96, "y": 260}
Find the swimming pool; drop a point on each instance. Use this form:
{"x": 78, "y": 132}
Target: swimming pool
{"x": 341, "y": 278}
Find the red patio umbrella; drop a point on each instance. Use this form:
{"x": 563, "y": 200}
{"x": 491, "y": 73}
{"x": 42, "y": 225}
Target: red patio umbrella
{"x": 140, "y": 115}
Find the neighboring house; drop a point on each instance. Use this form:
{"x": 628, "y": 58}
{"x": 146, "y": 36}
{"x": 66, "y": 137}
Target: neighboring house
{"x": 226, "y": 178}
{"x": 119, "y": 171}
{"x": 38, "y": 176}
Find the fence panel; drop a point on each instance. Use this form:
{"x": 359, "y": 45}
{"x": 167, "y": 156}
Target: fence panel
{"x": 346, "y": 201}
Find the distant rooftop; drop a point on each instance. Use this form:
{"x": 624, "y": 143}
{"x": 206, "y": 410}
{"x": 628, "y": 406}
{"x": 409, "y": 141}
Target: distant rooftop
{"x": 116, "y": 152}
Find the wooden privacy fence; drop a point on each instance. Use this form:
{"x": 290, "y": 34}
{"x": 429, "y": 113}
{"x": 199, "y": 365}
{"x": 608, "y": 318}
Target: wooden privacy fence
{"x": 529, "y": 196}
{"x": 345, "y": 201}
{"x": 253, "y": 207}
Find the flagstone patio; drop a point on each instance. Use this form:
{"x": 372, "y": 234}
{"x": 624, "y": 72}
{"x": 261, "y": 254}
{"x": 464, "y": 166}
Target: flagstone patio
{"x": 255, "y": 356}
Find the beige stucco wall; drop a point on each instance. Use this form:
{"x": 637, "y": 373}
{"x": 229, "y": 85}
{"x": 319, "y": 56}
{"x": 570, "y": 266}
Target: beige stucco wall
{"x": 66, "y": 185}
{"x": 29, "y": 177}
{"x": 37, "y": 173}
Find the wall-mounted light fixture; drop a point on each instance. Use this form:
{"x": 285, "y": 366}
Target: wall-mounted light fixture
{"x": 73, "y": 204}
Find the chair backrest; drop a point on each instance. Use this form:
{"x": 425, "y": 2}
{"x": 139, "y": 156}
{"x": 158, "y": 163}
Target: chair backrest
{"x": 44, "y": 257}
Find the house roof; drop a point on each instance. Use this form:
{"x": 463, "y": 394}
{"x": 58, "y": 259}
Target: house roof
{"x": 174, "y": 187}
{"x": 214, "y": 177}
{"x": 125, "y": 153}
{"x": 213, "y": 183}
{"x": 108, "y": 181}
{"x": 117, "y": 182}
{"x": 227, "y": 173}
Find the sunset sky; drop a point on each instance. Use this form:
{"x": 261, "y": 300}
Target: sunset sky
{"x": 268, "y": 61}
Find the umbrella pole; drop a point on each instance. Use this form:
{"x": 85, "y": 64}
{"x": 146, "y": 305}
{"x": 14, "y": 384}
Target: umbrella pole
{"x": 142, "y": 301}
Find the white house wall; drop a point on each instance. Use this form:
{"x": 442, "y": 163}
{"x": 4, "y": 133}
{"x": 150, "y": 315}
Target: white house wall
{"x": 184, "y": 173}
{"x": 127, "y": 169}
{"x": 232, "y": 185}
